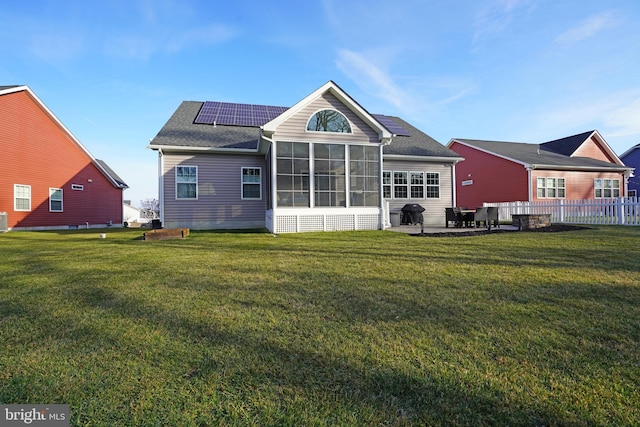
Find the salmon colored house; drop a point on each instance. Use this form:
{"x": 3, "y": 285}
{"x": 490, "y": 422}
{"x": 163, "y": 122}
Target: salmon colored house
{"x": 577, "y": 167}
{"x": 48, "y": 178}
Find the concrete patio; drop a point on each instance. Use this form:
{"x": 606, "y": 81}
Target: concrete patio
{"x": 430, "y": 229}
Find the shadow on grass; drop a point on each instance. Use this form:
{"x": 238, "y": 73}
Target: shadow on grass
{"x": 380, "y": 393}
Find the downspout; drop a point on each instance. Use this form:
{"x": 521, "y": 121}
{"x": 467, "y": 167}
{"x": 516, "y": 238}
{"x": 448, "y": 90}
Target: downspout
{"x": 529, "y": 183}
{"x": 383, "y": 206}
{"x": 453, "y": 185}
{"x": 161, "y": 183}
{"x": 273, "y": 189}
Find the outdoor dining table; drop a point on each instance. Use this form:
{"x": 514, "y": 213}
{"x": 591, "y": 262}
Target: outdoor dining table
{"x": 468, "y": 217}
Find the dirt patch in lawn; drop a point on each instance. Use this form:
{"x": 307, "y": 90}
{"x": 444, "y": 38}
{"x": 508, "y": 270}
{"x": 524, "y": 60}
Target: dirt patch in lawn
{"x": 553, "y": 228}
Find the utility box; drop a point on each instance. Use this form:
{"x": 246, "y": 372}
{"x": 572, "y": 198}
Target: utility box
{"x": 4, "y": 222}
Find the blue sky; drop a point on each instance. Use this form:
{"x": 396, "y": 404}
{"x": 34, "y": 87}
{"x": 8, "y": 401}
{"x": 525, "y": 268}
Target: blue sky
{"x": 514, "y": 70}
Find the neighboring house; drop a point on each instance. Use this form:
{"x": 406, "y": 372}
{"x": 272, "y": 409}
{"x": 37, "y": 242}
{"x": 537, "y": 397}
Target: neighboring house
{"x": 48, "y": 178}
{"x": 131, "y": 214}
{"x": 577, "y": 167}
{"x": 631, "y": 158}
{"x": 323, "y": 164}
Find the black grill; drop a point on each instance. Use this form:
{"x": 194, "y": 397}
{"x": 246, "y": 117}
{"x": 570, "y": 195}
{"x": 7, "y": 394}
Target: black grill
{"x": 412, "y": 214}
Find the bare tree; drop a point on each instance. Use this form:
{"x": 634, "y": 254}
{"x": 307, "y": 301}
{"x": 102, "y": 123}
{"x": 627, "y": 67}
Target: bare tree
{"x": 151, "y": 208}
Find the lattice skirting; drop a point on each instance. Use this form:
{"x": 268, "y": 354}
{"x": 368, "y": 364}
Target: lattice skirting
{"x": 318, "y": 222}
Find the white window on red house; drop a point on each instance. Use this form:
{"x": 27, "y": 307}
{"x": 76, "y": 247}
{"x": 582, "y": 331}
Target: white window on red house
{"x": 55, "y": 200}
{"x": 606, "y": 188}
{"x": 22, "y": 197}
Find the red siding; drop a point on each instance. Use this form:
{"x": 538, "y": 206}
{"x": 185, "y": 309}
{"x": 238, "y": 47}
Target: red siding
{"x": 579, "y": 185}
{"x": 494, "y": 179}
{"x": 36, "y": 151}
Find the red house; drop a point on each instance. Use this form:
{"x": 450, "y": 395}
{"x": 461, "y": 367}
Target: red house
{"x": 48, "y": 178}
{"x": 581, "y": 166}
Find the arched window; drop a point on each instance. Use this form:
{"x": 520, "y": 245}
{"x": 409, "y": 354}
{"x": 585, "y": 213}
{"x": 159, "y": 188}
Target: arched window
{"x": 329, "y": 121}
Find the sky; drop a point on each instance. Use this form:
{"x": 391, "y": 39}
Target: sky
{"x": 113, "y": 72}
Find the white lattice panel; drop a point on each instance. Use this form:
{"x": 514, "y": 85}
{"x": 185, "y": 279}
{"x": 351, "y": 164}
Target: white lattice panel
{"x": 340, "y": 222}
{"x": 368, "y": 222}
{"x": 286, "y": 224}
{"x": 312, "y": 223}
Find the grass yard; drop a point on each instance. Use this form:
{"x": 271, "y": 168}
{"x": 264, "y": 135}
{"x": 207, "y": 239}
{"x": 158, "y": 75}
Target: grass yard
{"x": 324, "y": 329}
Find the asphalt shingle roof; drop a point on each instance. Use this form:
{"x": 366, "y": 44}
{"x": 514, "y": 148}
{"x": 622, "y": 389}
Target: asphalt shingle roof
{"x": 181, "y": 131}
{"x": 535, "y": 154}
{"x": 417, "y": 143}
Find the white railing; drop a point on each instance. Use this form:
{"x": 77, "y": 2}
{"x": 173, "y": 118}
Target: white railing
{"x": 618, "y": 211}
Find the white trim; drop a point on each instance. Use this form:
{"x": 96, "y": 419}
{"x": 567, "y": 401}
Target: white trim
{"x": 259, "y": 183}
{"x": 182, "y": 148}
{"x": 383, "y": 134}
{"x": 77, "y": 187}
{"x": 428, "y": 159}
{"x": 176, "y": 182}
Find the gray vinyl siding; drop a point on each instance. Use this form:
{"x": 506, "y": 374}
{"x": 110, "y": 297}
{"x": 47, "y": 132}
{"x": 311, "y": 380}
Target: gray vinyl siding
{"x": 295, "y": 128}
{"x": 219, "y": 203}
{"x": 434, "y": 208}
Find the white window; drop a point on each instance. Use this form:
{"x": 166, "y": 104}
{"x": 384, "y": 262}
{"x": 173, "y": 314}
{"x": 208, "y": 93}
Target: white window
{"x": 417, "y": 185}
{"x": 187, "y": 182}
{"x": 364, "y": 175}
{"x": 433, "y": 185}
{"x": 251, "y": 183}
{"x": 292, "y": 174}
{"x": 22, "y": 197}
{"x": 386, "y": 184}
{"x": 55, "y": 200}
{"x": 77, "y": 187}
{"x": 329, "y": 121}
{"x": 400, "y": 185}
{"x": 606, "y": 188}
{"x": 551, "y": 188}
{"x": 330, "y": 175}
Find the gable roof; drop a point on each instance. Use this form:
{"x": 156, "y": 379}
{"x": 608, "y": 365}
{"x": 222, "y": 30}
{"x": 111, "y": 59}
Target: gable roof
{"x": 111, "y": 176}
{"x": 331, "y": 87}
{"x": 629, "y": 151}
{"x": 536, "y": 157}
{"x": 182, "y": 132}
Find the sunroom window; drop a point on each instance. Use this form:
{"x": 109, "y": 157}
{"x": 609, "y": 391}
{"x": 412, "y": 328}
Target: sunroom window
{"x": 329, "y": 121}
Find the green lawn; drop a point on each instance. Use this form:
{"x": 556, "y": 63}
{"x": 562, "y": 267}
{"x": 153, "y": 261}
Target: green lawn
{"x": 315, "y": 329}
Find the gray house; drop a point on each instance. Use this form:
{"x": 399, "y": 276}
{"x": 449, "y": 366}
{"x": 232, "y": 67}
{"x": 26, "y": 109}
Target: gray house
{"x": 323, "y": 164}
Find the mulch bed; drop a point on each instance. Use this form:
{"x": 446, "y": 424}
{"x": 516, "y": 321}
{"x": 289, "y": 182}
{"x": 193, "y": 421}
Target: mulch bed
{"x": 553, "y": 228}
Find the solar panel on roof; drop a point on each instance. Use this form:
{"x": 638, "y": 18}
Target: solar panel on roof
{"x": 228, "y": 113}
{"x": 391, "y": 126}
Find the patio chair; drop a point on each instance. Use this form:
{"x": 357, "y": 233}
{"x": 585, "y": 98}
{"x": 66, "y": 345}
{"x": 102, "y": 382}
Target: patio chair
{"x": 492, "y": 215}
{"x": 481, "y": 216}
{"x": 453, "y": 215}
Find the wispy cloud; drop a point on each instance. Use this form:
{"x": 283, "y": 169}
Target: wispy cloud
{"x": 496, "y": 16}
{"x": 372, "y": 79}
{"x": 587, "y": 29}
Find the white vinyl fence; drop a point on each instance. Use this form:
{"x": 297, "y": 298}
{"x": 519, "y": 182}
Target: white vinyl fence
{"x": 618, "y": 211}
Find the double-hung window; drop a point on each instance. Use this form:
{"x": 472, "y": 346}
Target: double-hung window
{"x": 417, "y": 185}
{"x": 22, "y": 197}
{"x": 186, "y": 182}
{"x": 387, "y": 184}
{"x": 551, "y": 188}
{"x": 606, "y": 188}
{"x": 433, "y": 185}
{"x": 400, "y": 185}
{"x": 251, "y": 183}
{"x": 55, "y": 200}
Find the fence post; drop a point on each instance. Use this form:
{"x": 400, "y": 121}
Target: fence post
{"x": 620, "y": 207}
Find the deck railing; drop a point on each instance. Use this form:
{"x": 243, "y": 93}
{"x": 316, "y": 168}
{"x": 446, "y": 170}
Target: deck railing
{"x": 618, "y": 211}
